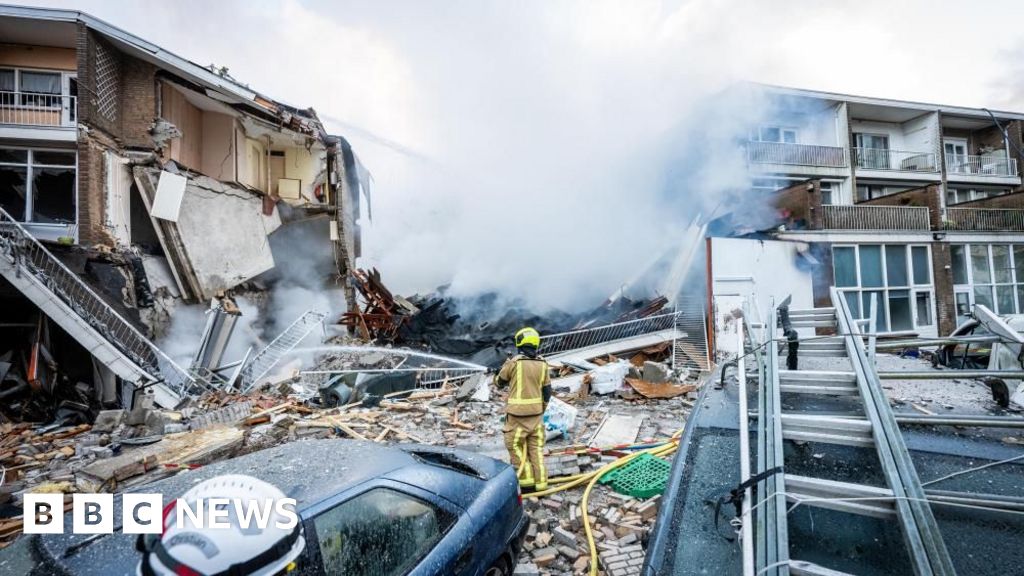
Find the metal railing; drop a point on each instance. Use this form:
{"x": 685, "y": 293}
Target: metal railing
{"x": 31, "y": 257}
{"x": 984, "y": 219}
{"x": 576, "y": 339}
{"x": 264, "y": 360}
{"x": 901, "y": 160}
{"x": 980, "y": 165}
{"x": 28, "y": 109}
{"x": 846, "y": 217}
{"x": 431, "y": 370}
{"x": 796, "y": 154}
{"x": 690, "y": 349}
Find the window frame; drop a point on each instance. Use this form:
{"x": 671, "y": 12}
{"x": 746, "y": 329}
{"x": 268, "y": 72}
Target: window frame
{"x": 757, "y": 134}
{"x": 1016, "y": 282}
{"x": 30, "y": 167}
{"x": 24, "y": 99}
{"x": 884, "y": 319}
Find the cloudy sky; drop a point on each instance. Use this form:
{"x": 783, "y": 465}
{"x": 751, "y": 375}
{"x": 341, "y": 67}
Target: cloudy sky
{"x": 518, "y": 143}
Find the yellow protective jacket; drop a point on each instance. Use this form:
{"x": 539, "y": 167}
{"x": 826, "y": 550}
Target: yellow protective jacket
{"x": 527, "y": 378}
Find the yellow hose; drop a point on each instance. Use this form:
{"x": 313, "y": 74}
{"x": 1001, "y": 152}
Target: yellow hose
{"x": 566, "y": 482}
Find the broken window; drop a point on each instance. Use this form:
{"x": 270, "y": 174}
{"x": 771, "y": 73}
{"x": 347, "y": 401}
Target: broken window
{"x": 991, "y": 275}
{"x": 381, "y": 532}
{"x": 38, "y": 186}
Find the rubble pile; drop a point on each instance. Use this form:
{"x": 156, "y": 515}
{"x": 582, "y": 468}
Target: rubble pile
{"x": 469, "y": 327}
{"x": 555, "y": 543}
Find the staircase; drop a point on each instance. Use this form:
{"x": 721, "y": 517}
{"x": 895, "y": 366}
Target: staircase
{"x": 267, "y": 358}
{"x": 87, "y": 318}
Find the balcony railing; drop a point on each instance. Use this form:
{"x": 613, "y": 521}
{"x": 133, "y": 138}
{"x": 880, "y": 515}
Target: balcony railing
{"x": 980, "y": 165}
{"x": 796, "y": 154}
{"x": 843, "y": 217}
{"x": 27, "y": 109}
{"x": 984, "y": 219}
{"x": 899, "y": 160}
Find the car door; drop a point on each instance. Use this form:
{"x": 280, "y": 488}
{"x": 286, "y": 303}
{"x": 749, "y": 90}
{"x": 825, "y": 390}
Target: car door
{"x": 382, "y": 528}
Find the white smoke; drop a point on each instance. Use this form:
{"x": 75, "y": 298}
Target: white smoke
{"x": 557, "y": 145}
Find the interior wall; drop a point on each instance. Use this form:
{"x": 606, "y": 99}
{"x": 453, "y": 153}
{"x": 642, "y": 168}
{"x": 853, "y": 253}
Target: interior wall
{"x": 46, "y": 57}
{"x": 301, "y": 164}
{"x": 218, "y": 149}
{"x": 252, "y": 158}
{"x": 177, "y": 110}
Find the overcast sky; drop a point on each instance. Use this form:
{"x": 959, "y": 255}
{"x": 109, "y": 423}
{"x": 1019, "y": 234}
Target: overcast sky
{"x": 516, "y": 138}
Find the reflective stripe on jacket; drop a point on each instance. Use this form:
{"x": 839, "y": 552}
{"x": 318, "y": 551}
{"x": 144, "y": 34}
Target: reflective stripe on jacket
{"x": 527, "y": 378}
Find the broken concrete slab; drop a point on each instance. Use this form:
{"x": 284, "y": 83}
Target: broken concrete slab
{"x": 617, "y": 429}
{"x": 655, "y": 372}
{"x": 108, "y": 420}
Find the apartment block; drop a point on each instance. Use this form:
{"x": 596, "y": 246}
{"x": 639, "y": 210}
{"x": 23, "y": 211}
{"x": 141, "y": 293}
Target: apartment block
{"x": 109, "y": 141}
{"x": 134, "y": 182}
{"x": 917, "y": 207}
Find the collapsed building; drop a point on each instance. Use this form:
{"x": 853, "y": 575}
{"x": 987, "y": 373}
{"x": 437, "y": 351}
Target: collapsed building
{"x": 133, "y": 181}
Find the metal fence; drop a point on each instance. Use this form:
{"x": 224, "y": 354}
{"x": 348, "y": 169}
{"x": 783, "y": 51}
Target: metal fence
{"x": 551, "y": 344}
{"x": 885, "y": 159}
{"x": 27, "y": 109}
{"x": 984, "y": 219}
{"x": 980, "y": 165}
{"x": 847, "y": 217}
{"x": 690, "y": 349}
{"x": 431, "y": 370}
{"x": 797, "y": 154}
{"x": 31, "y": 257}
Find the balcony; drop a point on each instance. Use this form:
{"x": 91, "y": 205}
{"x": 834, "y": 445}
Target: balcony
{"x": 962, "y": 167}
{"x": 41, "y": 110}
{"x": 984, "y": 219}
{"x": 894, "y": 160}
{"x": 844, "y": 217}
{"x": 796, "y": 154}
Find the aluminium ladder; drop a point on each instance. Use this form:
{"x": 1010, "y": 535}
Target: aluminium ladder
{"x": 904, "y": 497}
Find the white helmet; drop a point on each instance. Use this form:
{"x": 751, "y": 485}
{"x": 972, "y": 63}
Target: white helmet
{"x": 224, "y": 551}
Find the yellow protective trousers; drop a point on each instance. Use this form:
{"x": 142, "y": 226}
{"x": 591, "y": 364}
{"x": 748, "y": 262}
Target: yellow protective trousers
{"x": 524, "y": 439}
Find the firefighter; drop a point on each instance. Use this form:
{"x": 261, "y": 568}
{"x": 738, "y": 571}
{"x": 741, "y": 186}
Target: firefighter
{"x": 528, "y": 396}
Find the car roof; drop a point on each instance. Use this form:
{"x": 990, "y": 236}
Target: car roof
{"x": 307, "y": 470}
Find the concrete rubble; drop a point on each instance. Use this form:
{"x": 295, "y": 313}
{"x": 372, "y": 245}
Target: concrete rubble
{"x": 125, "y": 449}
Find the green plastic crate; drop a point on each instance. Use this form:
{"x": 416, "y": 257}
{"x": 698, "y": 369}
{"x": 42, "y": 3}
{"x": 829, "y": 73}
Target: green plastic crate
{"x": 643, "y": 477}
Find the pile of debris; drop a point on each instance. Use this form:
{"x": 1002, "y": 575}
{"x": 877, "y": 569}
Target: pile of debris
{"x": 555, "y": 542}
{"x": 468, "y": 327}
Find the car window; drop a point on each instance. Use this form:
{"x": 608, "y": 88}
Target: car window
{"x": 381, "y": 532}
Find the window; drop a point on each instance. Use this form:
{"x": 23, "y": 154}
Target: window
{"x": 829, "y": 192}
{"x": 774, "y": 134}
{"x": 31, "y": 87}
{"x": 989, "y": 274}
{"x": 869, "y": 192}
{"x": 38, "y": 186}
{"x": 771, "y": 184}
{"x": 959, "y": 195}
{"x": 872, "y": 151}
{"x": 896, "y": 276}
{"x": 382, "y": 532}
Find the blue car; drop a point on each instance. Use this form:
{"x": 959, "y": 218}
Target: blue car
{"x": 365, "y": 508}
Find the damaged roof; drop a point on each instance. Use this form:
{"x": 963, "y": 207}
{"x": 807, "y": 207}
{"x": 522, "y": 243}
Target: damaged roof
{"x": 224, "y": 88}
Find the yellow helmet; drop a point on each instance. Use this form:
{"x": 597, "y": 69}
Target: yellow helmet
{"x": 527, "y": 337}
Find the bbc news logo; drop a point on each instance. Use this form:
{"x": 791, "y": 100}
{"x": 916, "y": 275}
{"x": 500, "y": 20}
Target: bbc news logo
{"x": 144, "y": 513}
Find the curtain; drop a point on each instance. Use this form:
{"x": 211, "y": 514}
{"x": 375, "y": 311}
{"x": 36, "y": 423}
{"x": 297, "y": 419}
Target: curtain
{"x": 40, "y": 82}
{"x": 6, "y": 80}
